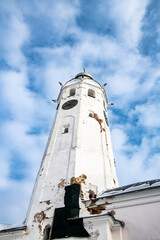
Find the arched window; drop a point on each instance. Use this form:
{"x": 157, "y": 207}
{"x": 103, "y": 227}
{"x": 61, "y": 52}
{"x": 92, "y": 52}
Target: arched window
{"x": 65, "y": 128}
{"x": 72, "y": 92}
{"x": 91, "y": 93}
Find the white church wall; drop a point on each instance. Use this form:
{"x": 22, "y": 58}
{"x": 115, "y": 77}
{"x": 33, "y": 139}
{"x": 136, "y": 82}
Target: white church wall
{"x": 139, "y": 210}
{"x": 141, "y": 221}
{"x": 12, "y": 235}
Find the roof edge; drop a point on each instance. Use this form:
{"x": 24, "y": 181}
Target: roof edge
{"x": 14, "y": 229}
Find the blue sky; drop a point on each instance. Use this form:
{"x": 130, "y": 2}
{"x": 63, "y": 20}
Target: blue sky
{"x": 45, "y": 42}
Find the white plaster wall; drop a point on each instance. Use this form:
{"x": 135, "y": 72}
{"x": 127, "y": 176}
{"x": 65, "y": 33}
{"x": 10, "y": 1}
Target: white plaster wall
{"x": 141, "y": 221}
{"x": 95, "y": 158}
{"x": 140, "y": 211}
{"x": 16, "y": 235}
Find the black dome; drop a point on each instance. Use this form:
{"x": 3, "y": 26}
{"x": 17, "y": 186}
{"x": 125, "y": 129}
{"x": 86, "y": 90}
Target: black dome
{"x": 84, "y": 74}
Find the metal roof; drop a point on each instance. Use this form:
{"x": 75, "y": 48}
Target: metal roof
{"x": 12, "y": 227}
{"x": 84, "y": 74}
{"x": 139, "y": 186}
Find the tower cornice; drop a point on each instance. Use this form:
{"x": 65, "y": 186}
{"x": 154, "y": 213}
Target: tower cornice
{"x": 83, "y": 76}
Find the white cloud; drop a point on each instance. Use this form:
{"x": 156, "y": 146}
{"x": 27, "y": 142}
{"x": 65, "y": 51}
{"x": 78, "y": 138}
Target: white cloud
{"x": 148, "y": 114}
{"x": 129, "y": 16}
{"x": 15, "y": 201}
{"x": 63, "y": 16}
{"x": 14, "y": 36}
{"x": 4, "y": 166}
{"x": 135, "y": 162}
{"x": 119, "y": 139}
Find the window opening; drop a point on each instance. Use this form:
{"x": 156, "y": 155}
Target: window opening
{"x": 104, "y": 104}
{"x": 91, "y": 114}
{"x": 106, "y": 119}
{"x": 65, "y": 129}
{"x": 91, "y": 93}
{"x": 72, "y": 92}
{"x": 57, "y": 106}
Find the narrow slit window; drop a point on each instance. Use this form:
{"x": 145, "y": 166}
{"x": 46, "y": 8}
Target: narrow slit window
{"x": 65, "y": 129}
{"x": 104, "y": 105}
{"x": 91, "y": 114}
{"x": 57, "y": 106}
{"x": 91, "y": 93}
{"x": 106, "y": 119}
{"x": 72, "y": 92}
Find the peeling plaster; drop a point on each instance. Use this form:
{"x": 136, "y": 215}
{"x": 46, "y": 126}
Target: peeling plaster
{"x": 100, "y": 121}
{"x": 47, "y": 202}
{"x": 61, "y": 183}
{"x": 94, "y": 235}
{"x": 39, "y": 217}
{"x": 79, "y": 180}
{"x": 25, "y": 232}
{"x": 97, "y": 206}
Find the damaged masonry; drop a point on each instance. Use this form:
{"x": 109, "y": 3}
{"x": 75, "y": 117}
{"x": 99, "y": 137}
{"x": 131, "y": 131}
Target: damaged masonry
{"x": 76, "y": 193}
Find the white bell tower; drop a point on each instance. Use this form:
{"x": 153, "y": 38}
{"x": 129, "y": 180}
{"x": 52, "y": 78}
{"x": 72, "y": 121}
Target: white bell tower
{"x": 79, "y": 150}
